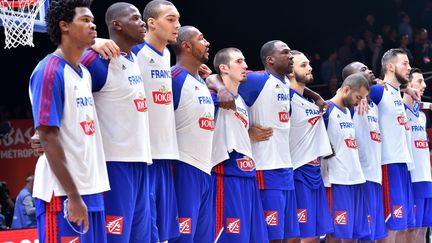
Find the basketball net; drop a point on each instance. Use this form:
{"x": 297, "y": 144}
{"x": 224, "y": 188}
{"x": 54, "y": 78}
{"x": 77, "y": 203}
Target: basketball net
{"x": 18, "y": 19}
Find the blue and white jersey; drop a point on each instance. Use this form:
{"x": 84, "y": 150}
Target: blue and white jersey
{"x": 121, "y": 104}
{"x": 61, "y": 97}
{"x": 393, "y": 124}
{"x": 232, "y": 150}
{"x": 368, "y": 136}
{"x": 156, "y": 73}
{"x": 268, "y": 99}
{"x": 308, "y": 136}
{"x": 419, "y": 144}
{"x": 194, "y": 117}
{"x": 344, "y": 168}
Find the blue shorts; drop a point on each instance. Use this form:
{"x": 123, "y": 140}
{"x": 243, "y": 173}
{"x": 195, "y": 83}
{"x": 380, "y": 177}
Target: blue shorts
{"x": 423, "y": 203}
{"x": 53, "y": 227}
{"x": 280, "y": 211}
{"x": 372, "y": 192}
{"x": 163, "y": 202}
{"x": 239, "y": 212}
{"x": 398, "y": 198}
{"x": 127, "y": 204}
{"x": 195, "y": 191}
{"x": 349, "y": 212}
{"x": 313, "y": 211}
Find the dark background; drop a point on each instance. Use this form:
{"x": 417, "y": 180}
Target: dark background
{"x": 309, "y": 26}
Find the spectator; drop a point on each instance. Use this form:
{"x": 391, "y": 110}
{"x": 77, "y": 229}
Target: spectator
{"x": 427, "y": 15}
{"x": 370, "y": 24}
{"x": 403, "y": 44}
{"x": 331, "y": 69}
{"x": 423, "y": 51}
{"x": 405, "y": 26}
{"x": 2, "y": 220}
{"x": 24, "y": 215}
{"x": 377, "y": 53}
{"x": 359, "y": 54}
{"x": 345, "y": 51}
{"x": 7, "y": 203}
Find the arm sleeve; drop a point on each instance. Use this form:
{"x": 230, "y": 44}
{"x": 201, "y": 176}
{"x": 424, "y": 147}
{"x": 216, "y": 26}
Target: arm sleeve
{"x": 97, "y": 67}
{"x": 47, "y": 93}
{"x": 376, "y": 93}
{"x": 252, "y": 87}
{"x": 178, "y": 79}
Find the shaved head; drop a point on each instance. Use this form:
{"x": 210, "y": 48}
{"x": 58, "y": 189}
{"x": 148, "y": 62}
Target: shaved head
{"x": 116, "y": 11}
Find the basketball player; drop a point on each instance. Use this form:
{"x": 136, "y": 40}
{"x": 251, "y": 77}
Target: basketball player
{"x": 162, "y": 19}
{"x": 71, "y": 176}
{"x": 368, "y": 136}
{"x": 267, "y": 95}
{"x": 194, "y": 117}
{"x": 308, "y": 142}
{"x": 239, "y": 212}
{"x": 395, "y": 157}
{"x": 120, "y": 99}
{"x": 343, "y": 171}
{"x": 421, "y": 174}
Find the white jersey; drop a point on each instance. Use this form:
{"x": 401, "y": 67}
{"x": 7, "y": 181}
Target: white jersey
{"x": 231, "y": 132}
{"x": 393, "y": 124}
{"x": 61, "y": 97}
{"x": 121, "y": 104}
{"x": 156, "y": 71}
{"x": 344, "y": 168}
{"x": 368, "y": 136}
{"x": 308, "y": 136}
{"x": 268, "y": 99}
{"x": 194, "y": 117}
{"x": 419, "y": 144}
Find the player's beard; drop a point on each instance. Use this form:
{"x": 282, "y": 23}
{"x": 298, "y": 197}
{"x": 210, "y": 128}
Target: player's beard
{"x": 303, "y": 78}
{"x": 347, "y": 102}
{"x": 401, "y": 79}
{"x": 201, "y": 57}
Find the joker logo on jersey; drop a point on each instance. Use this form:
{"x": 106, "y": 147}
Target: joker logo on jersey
{"x": 206, "y": 122}
{"x": 284, "y": 115}
{"x": 421, "y": 144}
{"x": 88, "y": 126}
{"x": 246, "y": 164}
{"x": 351, "y": 142}
{"x": 163, "y": 96}
{"x": 140, "y": 103}
{"x": 375, "y": 136}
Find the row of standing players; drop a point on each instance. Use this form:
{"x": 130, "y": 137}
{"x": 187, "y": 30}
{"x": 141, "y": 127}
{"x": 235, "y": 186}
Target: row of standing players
{"x": 178, "y": 168}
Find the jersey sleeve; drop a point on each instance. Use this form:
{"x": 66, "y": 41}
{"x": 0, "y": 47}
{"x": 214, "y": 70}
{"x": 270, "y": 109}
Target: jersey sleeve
{"x": 215, "y": 101}
{"x": 376, "y": 93}
{"x": 47, "y": 93}
{"x": 326, "y": 116}
{"x": 178, "y": 79}
{"x": 97, "y": 67}
{"x": 136, "y": 49}
{"x": 252, "y": 87}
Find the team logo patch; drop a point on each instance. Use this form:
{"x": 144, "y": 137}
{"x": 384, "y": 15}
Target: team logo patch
{"x": 185, "y": 225}
{"x": 314, "y": 120}
{"x": 163, "y": 96}
{"x": 375, "y": 136}
{"x": 241, "y": 118}
{"x": 206, "y": 122}
{"x": 233, "y": 226}
{"x": 341, "y": 218}
{"x": 271, "y": 218}
{"x": 246, "y": 164}
{"x": 302, "y": 215}
{"x": 351, "y": 143}
{"x": 140, "y": 103}
{"x": 88, "y": 126}
{"x": 398, "y": 212}
{"x": 70, "y": 239}
{"x": 421, "y": 144}
{"x": 114, "y": 225}
{"x": 402, "y": 120}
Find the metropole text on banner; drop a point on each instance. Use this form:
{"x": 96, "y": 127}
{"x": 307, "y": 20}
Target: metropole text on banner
{"x": 17, "y": 158}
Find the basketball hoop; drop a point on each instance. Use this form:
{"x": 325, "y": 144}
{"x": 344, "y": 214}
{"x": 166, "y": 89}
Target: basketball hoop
{"x": 18, "y": 18}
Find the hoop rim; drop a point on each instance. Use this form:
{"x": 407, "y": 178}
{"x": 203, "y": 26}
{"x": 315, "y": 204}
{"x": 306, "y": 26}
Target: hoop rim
{"x": 17, "y": 3}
